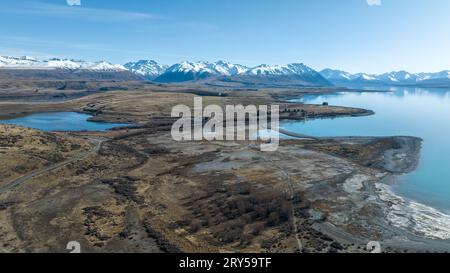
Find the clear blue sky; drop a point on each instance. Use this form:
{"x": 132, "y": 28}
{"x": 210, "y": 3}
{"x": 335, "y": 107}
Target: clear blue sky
{"x": 345, "y": 34}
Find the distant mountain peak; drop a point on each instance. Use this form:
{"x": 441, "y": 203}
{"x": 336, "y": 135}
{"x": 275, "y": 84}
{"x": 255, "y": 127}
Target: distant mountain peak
{"x": 217, "y": 68}
{"x": 26, "y": 62}
{"x": 295, "y": 74}
{"x": 292, "y": 74}
{"x": 401, "y": 77}
{"x": 149, "y": 69}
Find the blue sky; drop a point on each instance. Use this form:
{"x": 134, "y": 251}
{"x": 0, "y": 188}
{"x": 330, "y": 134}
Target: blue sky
{"x": 345, "y": 34}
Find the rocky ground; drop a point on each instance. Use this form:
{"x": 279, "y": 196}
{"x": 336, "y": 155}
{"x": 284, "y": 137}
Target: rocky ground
{"x": 143, "y": 192}
{"x": 23, "y": 150}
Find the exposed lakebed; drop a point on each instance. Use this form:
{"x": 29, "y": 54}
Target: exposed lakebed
{"x": 415, "y": 112}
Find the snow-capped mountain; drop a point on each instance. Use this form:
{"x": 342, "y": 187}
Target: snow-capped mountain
{"x": 147, "y": 68}
{"x": 292, "y": 73}
{"x": 290, "y": 69}
{"x": 191, "y": 71}
{"x": 229, "y": 69}
{"x": 217, "y": 68}
{"x": 339, "y": 77}
{"x": 364, "y": 77}
{"x": 101, "y": 66}
{"x": 265, "y": 69}
{"x": 432, "y": 76}
{"x": 399, "y": 76}
{"x": 224, "y": 71}
{"x": 8, "y": 61}
{"x": 25, "y": 62}
{"x": 342, "y": 76}
{"x": 333, "y": 75}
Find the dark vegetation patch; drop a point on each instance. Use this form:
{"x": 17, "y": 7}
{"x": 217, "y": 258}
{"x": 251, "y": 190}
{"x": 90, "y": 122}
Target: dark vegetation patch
{"x": 113, "y": 149}
{"x": 6, "y": 205}
{"x": 113, "y": 88}
{"x": 156, "y": 150}
{"x": 368, "y": 154}
{"x": 125, "y": 187}
{"x": 92, "y": 214}
{"x": 73, "y": 85}
{"x": 237, "y": 213}
{"x": 9, "y": 141}
{"x": 206, "y": 93}
{"x": 315, "y": 241}
{"x": 162, "y": 242}
{"x": 88, "y": 167}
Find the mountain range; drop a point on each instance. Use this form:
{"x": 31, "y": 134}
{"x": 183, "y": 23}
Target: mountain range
{"x": 404, "y": 78}
{"x": 148, "y": 69}
{"x": 26, "y": 62}
{"x": 225, "y": 73}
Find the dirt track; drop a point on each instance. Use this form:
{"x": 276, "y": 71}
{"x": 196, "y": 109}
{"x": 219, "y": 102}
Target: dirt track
{"x": 11, "y": 185}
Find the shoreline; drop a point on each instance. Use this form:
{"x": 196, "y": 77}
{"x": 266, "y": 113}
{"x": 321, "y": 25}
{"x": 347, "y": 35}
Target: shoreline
{"x": 404, "y": 225}
{"x": 369, "y": 187}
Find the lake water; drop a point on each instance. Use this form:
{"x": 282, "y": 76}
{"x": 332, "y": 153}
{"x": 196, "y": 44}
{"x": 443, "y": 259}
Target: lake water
{"x": 61, "y": 121}
{"x": 417, "y": 112}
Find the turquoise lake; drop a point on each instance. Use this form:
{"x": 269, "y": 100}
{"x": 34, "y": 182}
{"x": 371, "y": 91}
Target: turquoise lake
{"x": 61, "y": 121}
{"x": 419, "y": 112}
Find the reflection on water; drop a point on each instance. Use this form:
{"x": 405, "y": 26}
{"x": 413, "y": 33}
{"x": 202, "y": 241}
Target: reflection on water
{"x": 61, "y": 121}
{"x": 421, "y": 112}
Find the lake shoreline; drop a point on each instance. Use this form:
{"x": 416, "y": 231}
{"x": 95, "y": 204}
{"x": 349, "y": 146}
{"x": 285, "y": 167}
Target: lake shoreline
{"x": 422, "y": 225}
{"x": 340, "y": 198}
{"x": 61, "y": 122}
{"x": 374, "y": 192}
